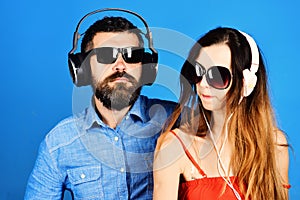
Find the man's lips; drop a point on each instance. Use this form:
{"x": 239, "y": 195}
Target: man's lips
{"x": 121, "y": 79}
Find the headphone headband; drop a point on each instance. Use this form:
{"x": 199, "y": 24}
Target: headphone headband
{"x": 77, "y": 35}
{"x": 254, "y": 52}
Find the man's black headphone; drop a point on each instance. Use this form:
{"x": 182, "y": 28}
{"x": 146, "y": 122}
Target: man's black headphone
{"x": 81, "y": 75}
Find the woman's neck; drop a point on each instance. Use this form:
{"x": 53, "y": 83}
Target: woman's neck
{"x": 218, "y": 120}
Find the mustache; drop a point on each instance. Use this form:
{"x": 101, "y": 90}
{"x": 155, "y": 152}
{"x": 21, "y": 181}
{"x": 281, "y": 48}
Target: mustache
{"x": 120, "y": 74}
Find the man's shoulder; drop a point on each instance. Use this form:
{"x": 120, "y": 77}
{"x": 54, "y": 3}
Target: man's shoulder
{"x": 152, "y": 101}
{"x": 64, "y": 133}
{"x": 157, "y": 110}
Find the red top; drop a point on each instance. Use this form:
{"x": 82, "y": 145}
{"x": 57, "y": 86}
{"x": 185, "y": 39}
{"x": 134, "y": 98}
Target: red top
{"x": 205, "y": 188}
{"x": 208, "y": 188}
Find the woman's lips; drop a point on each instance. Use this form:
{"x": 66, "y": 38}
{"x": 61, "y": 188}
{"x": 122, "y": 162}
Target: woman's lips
{"x": 205, "y": 96}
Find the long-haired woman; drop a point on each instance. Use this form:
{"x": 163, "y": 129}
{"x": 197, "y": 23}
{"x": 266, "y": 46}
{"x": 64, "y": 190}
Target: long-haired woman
{"x": 222, "y": 141}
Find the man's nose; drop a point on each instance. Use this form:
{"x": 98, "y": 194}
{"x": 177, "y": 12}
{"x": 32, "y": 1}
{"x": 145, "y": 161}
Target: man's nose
{"x": 120, "y": 64}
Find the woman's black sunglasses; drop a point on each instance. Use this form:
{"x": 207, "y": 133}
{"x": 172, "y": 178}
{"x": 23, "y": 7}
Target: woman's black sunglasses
{"x": 216, "y": 76}
{"x": 109, "y": 55}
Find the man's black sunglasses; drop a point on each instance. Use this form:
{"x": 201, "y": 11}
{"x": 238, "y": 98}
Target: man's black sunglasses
{"x": 109, "y": 55}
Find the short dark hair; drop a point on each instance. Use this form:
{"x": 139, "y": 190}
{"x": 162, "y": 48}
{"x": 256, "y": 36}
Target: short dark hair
{"x": 109, "y": 24}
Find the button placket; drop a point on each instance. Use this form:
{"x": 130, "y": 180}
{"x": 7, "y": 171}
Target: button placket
{"x": 118, "y": 155}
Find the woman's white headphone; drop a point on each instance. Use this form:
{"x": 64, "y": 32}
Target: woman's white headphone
{"x": 250, "y": 77}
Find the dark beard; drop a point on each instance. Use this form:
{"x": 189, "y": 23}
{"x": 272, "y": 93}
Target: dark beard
{"x": 120, "y": 95}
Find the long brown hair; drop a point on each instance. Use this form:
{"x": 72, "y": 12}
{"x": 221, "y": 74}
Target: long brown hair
{"x": 252, "y": 126}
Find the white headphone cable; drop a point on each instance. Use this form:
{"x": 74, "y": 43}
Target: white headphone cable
{"x": 220, "y": 163}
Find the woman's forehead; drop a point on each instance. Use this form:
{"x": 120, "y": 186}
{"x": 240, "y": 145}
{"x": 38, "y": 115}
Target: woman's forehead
{"x": 215, "y": 55}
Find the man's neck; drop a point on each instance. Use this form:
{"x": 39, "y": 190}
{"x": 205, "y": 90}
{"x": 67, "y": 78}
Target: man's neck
{"x": 109, "y": 116}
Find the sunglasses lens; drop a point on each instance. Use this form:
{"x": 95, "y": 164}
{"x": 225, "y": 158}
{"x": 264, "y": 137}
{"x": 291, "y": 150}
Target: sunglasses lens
{"x": 218, "y": 77}
{"x": 133, "y": 54}
{"x": 199, "y": 72}
{"x": 106, "y": 55}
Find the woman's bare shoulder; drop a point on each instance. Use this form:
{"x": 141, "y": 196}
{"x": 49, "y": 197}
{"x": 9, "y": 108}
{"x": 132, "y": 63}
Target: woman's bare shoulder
{"x": 166, "y": 139}
{"x": 280, "y": 139}
{"x": 169, "y": 149}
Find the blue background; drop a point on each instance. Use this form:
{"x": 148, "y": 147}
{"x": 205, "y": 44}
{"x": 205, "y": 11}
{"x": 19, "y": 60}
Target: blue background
{"x": 36, "y": 89}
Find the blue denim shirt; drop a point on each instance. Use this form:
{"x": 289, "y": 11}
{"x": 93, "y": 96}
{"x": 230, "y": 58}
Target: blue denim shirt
{"x": 94, "y": 161}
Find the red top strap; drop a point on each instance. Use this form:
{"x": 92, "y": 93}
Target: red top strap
{"x": 189, "y": 155}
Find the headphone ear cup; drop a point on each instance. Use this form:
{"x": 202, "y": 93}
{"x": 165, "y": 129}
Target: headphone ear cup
{"x": 149, "y": 70}
{"x": 79, "y": 68}
{"x": 250, "y": 80}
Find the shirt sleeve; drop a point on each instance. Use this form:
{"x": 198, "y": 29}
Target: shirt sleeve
{"x": 44, "y": 181}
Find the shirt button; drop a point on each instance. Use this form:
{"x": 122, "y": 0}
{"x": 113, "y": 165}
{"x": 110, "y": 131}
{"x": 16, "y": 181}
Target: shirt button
{"x": 82, "y": 176}
{"x": 116, "y": 138}
{"x": 126, "y": 117}
{"x": 122, "y": 169}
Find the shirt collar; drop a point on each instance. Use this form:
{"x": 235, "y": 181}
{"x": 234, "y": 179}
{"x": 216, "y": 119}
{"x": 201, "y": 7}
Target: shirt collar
{"x": 138, "y": 111}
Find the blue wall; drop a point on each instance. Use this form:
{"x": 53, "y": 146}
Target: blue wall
{"x": 36, "y": 89}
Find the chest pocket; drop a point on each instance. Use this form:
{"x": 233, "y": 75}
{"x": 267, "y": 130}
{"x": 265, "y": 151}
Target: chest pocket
{"x": 86, "y": 182}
